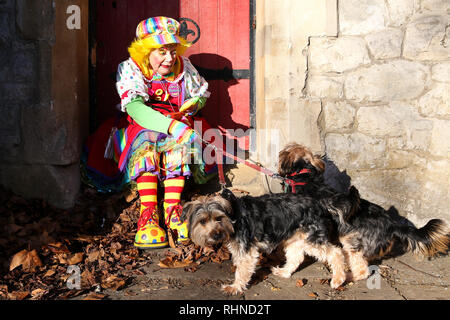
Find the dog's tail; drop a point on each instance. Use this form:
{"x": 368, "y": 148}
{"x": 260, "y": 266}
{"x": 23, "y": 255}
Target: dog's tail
{"x": 431, "y": 239}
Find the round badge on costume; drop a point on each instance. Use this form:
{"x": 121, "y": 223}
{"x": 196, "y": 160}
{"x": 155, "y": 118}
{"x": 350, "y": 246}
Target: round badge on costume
{"x": 171, "y": 28}
{"x": 174, "y": 90}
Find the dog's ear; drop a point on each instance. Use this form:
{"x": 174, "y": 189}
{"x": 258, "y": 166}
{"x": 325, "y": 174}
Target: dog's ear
{"x": 187, "y": 211}
{"x": 286, "y": 161}
{"x": 228, "y": 195}
{"x": 232, "y": 210}
{"x": 318, "y": 162}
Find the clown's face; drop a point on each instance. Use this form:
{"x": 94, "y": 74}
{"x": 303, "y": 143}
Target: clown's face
{"x": 163, "y": 59}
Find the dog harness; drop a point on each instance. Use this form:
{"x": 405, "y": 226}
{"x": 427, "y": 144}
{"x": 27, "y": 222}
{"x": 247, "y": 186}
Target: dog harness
{"x": 292, "y": 183}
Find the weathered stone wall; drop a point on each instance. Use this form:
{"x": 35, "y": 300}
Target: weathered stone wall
{"x": 384, "y": 88}
{"x": 43, "y": 99}
{"x": 283, "y": 111}
{"x": 366, "y": 82}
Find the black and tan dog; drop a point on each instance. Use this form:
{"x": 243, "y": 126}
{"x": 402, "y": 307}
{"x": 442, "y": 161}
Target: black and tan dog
{"x": 366, "y": 231}
{"x": 250, "y": 225}
{"x": 304, "y": 172}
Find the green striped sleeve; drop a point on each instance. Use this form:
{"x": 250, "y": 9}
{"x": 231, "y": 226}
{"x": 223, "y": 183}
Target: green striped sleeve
{"x": 147, "y": 117}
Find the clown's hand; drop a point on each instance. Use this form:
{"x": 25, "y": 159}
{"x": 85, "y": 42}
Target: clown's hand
{"x": 182, "y": 132}
{"x": 193, "y": 105}
{"x": 175, "y": 115}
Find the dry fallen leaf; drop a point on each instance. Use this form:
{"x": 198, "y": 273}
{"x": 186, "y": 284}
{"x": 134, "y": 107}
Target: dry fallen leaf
{"x": 70, "y": 259}
{"x": 313, "y": 295}
{"x": 18, "y": 259}
{"x": 4, "y": 291}
{"x": 207, "y": 251}
{"x": 49, "y": 273}
{"x": 88, "y": 278}
{"x": 114, "y": 283}
{"x": 75, "y": 258}
{"x": 38, "y": 294}
{"x": 29, "y": 260}
{"x": 58, "y": 247}
{"x": 170, "y": 263}
{"x": 172, "y": 236}
{"x": 86, "y": 238}
{"x": 275, "y": 289}
{"x": 223, "y": 253}
{"x": 131, "y": 195}
{"x": 130, "y": 293}
{"x": 117, "y": 228}
{"x": 18, "y": 295}
{"x": 93, "y": 256}
{"x": 116, "y": 245}
{"x": 95, "y": 296}
{"x": 300, "y": 283}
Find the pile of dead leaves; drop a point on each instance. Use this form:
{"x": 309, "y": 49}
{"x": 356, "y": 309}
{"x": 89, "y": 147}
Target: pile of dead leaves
{"x": 191, "y": 256}
{"x": 49, "y": 253}
{"x": 45, "y": 274}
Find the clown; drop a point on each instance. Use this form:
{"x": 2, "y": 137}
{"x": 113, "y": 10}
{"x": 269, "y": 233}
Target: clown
{"x": 161, "y": 92}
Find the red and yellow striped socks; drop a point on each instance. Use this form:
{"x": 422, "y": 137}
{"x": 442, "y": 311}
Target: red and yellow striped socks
{"x": 172, "y": 208}
{"x": 172, "y": 191}
{"x": 147, "y": 185}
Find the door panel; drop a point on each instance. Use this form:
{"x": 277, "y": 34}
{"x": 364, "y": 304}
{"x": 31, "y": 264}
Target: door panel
{"x": 224, "y": 46}
{"x": 116, "y": 28}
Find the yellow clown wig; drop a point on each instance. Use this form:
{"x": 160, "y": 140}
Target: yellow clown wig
{"x": 154, "y": 33}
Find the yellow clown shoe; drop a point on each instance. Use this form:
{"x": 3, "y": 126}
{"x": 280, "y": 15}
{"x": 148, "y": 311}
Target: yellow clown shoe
{"x": 150, "y": 235}
{"x": 172, "y": 218}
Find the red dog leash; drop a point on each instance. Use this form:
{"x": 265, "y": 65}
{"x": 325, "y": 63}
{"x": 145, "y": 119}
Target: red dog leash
{"x": 220, "y": 153}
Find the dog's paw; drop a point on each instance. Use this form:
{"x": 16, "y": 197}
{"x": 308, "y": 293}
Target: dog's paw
{"x": 281, "y": 272}
{"x": 337, "y": 281}
{"x": 361, "y": 276}
{"x": 358, "y": 275}
{"x": 232, "y": 290}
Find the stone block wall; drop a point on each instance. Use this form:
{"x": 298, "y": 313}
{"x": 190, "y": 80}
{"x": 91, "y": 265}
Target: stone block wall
{"x": 41, "y": 133}
{"x": 384, "y": 87}
{"x": 283, "y": 112}
{"x": 18, "y": 79}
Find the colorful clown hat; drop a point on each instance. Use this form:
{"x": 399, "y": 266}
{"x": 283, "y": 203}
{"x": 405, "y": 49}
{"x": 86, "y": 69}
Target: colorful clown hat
{"x": 161, "y": 30}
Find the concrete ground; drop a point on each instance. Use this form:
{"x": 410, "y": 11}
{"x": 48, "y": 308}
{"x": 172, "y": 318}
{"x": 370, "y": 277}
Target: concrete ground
{"x": 402, "y": 278}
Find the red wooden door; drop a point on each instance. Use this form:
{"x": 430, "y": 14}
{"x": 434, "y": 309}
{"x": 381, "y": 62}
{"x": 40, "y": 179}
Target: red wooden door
{"x": 116, "y": 22}
{"x": 221, "y": 53}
